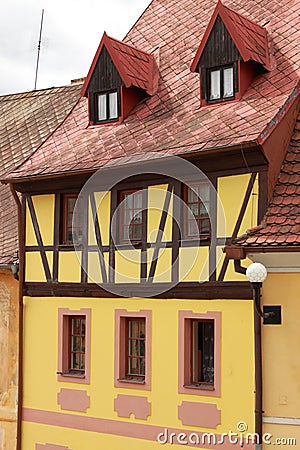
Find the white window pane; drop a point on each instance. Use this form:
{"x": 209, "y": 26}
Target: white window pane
{"x": 113, "y": 105}
{"x": 102, "y": 107}
{"x": 215, "y": 85}
{"x": 228, "y": 82}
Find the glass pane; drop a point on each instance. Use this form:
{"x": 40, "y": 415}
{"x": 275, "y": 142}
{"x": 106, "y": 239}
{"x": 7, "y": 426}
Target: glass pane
{"x": 228, "y": 82}
{"x": 128, "y": 199}
{"x": 196, "y": 352}
{"x": 113, "y": 105}
{"x": 194, "y": 207}
{"x": 137, "y": 218}
{"x": 136, "y": 233}
{"x": 193, "y": 228}
{"x": 138, "y": 199}
{"x": 208, "y": 352}
{"x": 215, "y": 85}
{"x": 102, "y": 107}
{"x": 82, "y": 362}
{"x": 192, "y": 195}
{"x": 128, "y": 217}
{"x": 205, "y": 193}
{"x": 75, "y": 363}
{"x": 204, "y": 226}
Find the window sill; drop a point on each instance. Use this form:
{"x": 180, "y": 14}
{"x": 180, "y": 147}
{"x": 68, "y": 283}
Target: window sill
{"x": 131, "y": 380}
{"x": 70, "y": 374}
{"x": 205, "y": 387}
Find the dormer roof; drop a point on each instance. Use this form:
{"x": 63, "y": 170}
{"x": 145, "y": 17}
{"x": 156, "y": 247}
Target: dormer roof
{"x": 251, "y": 40}
{"x": 135, "y": 67}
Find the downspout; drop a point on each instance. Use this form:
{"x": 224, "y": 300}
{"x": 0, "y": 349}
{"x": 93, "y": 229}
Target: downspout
{"x": 257, "y": 358}
{"x": 258, "y": 368}
{"x": 21, "y": 316}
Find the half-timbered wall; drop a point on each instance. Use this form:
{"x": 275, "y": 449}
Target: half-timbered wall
{"x": 162, "y": 255}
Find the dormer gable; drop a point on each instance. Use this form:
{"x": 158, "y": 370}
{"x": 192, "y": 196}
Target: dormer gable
{"x": 120, "y": 77}
{"x": 232, "y": 52}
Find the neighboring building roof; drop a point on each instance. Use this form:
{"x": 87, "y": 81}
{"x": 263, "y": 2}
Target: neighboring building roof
{"x": 26, "y": 120}
{"x": 136, "y": 67}
{"x": 171, "y": 121}
{"x": 281, "y": 224}
{"x": 250, "y": 38}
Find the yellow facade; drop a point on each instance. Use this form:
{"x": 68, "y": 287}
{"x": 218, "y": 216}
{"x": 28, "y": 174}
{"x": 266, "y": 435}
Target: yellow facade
{"x": 101, "y": 425}
{"x": 281, "y": 365}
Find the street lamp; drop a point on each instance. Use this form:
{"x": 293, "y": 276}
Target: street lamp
{"x": 256, "y": 274}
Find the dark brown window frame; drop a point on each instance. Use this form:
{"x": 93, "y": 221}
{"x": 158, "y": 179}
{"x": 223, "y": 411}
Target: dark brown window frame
{"x": 140, "y": 357}
{"x": 122, "y": 210}
{"x": 186, "y": 219}
{"x": 64, "y": 219}
{"x": 95, "y": 106}
{"x": 208, "y": 83}
{"x": 73, "y": 351}
{"x": 200, "y": 382}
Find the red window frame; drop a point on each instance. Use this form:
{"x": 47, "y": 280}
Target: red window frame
{"x": 77, "y": 344}
{"x": 199, "y": 203}
{"x": 125, "y": 210}
{"x": 201, "y": 352}
{"x": 185, "y": 376}
{"x": 121, "y": 377}
{"x": 66, "y": 372}
{"x": 135, "y": 354}
{"x": 67, "y": 222}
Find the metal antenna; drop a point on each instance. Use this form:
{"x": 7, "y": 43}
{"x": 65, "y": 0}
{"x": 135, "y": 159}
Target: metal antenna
{"x": 39, "y": 49}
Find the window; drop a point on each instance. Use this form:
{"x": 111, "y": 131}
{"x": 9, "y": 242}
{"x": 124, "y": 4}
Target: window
{"x": 132, "y": 349}
{"x": 135, "y": 348}
{"x": 220, "y": 84}
{"x": 197, "y": 222}
{"x": 72, "y": 220}
{"x": 74, "y": 345}
{"x": 199, "y": 353}
{"x": 202, "y": 352}
{"x": 132, "y": 218}
{"x": 107, "y": 106}
{"x": 76, "y": 355}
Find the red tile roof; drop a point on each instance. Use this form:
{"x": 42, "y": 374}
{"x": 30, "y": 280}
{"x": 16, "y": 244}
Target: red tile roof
{"x": 136, "y": 67}
{"x": 26, "y": 120}
{"x": 171, "y": 121}
{"x": 281, "y": 224}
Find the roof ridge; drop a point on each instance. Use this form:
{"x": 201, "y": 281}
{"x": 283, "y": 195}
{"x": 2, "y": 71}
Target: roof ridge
{"x": 38, "y": 92}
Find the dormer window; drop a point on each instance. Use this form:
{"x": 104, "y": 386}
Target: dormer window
{"x": 220, "y": 84}
{"x": 120, "y": 77}
{"x": 232, "y": 52}
{"x": 107, "y": 106}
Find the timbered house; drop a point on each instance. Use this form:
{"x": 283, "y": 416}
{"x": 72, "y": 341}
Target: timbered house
{"x": 138, "y": 328}
{"x": 26, "y": 120}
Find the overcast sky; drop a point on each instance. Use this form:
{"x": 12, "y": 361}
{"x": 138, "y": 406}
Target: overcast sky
{"x": 72, "y": 30}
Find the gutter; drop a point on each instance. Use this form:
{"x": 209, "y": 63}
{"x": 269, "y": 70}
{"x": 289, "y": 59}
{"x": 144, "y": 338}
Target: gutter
{"x": 21, "y": 316}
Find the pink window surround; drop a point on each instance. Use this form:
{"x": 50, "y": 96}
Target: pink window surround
{"x": 120, "y": 351}
{"x": 184, "y": 352}
{"x": 63, "y": 345}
